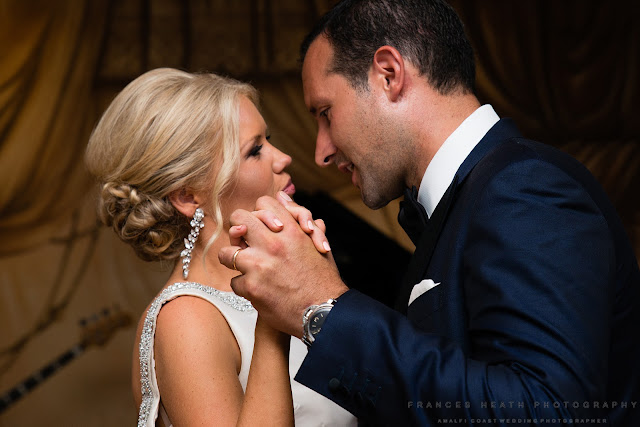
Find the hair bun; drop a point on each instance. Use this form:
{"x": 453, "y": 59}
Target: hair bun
{"x": 146, "y": 223}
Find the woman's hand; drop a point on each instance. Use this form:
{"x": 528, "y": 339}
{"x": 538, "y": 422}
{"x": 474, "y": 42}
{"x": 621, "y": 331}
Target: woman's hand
{"x": 314, "y": 228}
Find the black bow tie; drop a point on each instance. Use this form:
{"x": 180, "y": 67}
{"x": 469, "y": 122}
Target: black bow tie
{"x": 412, "y": 216}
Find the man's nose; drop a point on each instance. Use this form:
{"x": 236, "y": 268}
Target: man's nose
{"x": 325, "y": 150}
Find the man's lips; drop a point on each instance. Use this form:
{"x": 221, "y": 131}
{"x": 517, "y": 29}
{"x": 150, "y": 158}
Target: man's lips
{"x": 346, "y": 167}
{"x": 290, "y": 189}
{"x": 354, "y": 179}
{"x": 350, "y": 169}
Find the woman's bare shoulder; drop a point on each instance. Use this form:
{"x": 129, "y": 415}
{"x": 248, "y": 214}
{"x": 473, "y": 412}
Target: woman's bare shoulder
{"x": 192, "y": 341}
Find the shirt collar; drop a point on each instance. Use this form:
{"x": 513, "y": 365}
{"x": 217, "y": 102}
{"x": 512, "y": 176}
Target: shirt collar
{"x": 452, "y": 153}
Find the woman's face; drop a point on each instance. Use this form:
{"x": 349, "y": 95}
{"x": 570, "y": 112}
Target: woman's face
{"x": 262, "y": 165}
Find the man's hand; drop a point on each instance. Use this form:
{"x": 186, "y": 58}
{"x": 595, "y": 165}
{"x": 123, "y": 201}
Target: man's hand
{"x": 282, "y": 272}
{"x": 314, "y": 228}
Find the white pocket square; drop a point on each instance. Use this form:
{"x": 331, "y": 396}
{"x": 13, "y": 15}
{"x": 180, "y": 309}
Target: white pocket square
{"x": 421, "y": 288}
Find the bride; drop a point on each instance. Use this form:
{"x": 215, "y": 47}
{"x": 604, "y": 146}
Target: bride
{"x": 175, "y": 153}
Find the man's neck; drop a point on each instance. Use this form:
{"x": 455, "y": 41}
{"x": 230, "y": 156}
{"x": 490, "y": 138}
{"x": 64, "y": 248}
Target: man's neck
{"x": 442, "y": 117}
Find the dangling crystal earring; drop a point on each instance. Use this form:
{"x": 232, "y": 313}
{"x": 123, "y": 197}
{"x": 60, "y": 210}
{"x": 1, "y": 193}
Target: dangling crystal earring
{"x": 189, "y": 242}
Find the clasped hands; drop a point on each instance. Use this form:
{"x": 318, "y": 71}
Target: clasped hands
{"x": 285, "y": 261}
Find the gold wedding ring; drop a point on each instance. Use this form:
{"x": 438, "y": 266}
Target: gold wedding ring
{"x": 235, "y": 255}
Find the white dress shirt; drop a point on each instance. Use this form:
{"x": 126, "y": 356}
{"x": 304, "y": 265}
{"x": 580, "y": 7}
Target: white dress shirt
{"x": 452, "y": 153}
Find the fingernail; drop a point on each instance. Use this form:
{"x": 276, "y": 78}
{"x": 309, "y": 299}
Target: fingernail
{"x": 310, "y": 225}
{"x": 278, "y": 222}
{"x": 238, "y": 227}
{"x": 285, "y": 196}
{"x": 326, "y": 246}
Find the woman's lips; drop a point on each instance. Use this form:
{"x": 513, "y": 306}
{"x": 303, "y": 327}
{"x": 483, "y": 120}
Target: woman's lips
{"x": 290, "y": 189}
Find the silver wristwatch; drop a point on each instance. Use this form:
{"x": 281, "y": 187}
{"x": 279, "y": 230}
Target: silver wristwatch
{"x": 313, "y": 319}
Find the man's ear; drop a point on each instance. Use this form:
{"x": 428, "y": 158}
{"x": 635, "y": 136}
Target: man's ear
{"x": 185, "y": 202}
{"x": 389, "y": 71}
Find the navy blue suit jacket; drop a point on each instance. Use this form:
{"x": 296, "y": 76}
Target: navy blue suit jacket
{"x": 535, "y": 318}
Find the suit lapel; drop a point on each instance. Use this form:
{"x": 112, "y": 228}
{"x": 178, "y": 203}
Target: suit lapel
{"x": 498, "y": 134}
{"x": 424, "y": 249}
{"x": 421, "y": 258}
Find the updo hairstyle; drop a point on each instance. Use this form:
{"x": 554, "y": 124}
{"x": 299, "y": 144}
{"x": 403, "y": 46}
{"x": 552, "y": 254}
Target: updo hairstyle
{"x": 167, "y": 131}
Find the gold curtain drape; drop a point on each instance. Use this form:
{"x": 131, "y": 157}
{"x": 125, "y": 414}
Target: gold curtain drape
{"x": 567, "y": 72}
{"x": 563, "y": 70}
{"x": 46, "y": 110}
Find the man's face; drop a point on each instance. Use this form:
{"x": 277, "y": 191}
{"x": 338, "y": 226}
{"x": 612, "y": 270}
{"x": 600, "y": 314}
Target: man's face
{"x": 354, "y": 131}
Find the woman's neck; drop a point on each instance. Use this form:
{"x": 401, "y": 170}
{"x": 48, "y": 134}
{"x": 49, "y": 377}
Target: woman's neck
{"x": 210, "y": 273}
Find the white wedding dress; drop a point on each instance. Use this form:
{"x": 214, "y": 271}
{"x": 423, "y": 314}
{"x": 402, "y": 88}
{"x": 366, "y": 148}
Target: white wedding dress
{"x": 310, "y": 408}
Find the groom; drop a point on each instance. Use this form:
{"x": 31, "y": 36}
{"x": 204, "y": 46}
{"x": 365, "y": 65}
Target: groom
{"x": 522, "y": 299}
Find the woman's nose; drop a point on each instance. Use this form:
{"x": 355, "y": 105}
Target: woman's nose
{"x": 280, "y": 160}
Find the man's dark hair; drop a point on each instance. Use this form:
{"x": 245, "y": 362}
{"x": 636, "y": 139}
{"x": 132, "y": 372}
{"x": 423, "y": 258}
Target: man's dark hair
{"x": 428, "y": 33}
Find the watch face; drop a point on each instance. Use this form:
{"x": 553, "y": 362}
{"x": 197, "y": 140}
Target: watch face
{"x": 315, "y": 325}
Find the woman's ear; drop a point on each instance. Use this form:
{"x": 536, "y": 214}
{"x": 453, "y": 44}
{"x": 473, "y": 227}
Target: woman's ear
{"x": 388, "y": 70}
{"x": 185, "y": 202}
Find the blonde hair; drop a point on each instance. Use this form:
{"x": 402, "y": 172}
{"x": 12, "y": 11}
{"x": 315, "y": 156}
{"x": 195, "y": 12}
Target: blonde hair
{"x": 167, "y": 130}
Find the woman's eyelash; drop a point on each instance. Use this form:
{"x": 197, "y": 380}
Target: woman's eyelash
{"x": 255, "y": 151}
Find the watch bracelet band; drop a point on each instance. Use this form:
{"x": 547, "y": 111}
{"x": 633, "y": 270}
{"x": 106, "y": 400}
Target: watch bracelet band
{"x": 308, "y": 314}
